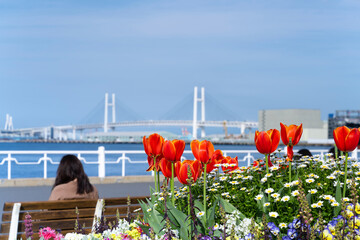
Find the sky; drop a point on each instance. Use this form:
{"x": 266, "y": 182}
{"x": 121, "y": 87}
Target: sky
{"x": 59, "y": 58}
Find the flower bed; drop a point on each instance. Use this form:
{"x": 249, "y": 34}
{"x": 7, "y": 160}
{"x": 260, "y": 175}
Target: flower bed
{"x": 276, "y": 198}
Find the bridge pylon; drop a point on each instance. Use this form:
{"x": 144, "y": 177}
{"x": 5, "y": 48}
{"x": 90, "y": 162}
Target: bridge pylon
{"x": 107, "y": 105}
{"x": 195, "y": 111}
{"x": 9, "y": 123}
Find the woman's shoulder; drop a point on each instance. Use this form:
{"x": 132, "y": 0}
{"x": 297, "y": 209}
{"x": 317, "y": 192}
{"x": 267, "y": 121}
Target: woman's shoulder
{"x": 69, "y": 191}
{"x": 62, "y": 191}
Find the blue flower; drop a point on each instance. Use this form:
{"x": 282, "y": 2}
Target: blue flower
{"x": 271, "y": 225}
{"x": 296, "y": 223}
{"x": 286, "y": 238}
{"x": 275, "y": 230}
{"x": 292, "y": 233}
{"x": 249, "y": 236}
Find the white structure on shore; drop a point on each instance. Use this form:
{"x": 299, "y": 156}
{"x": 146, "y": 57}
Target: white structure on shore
{"x": 314, "y": 129}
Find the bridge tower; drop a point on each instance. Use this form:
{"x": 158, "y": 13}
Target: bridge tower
{"x": 107, "y": 105}
{"x": 195, "y": 109}
{"x": 9, "y": 124}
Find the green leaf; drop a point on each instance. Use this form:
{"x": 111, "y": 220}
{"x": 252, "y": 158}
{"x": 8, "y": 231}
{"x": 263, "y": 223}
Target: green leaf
{"x": 338, "y": 199}
{"x": 153, "y": 217}
{"x": 308, "y": 198}
{"x": 229, "y": 208}
{"x": 181, "y": 219}
{"x": 211, "y": 213}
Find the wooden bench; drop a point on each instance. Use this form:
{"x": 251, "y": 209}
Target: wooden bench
{"x": 61, "y": 214}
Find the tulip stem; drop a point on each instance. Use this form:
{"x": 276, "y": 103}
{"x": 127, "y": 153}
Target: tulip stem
{"x": 290, "y": 170}
{"x": 158, "y": 180}
{"x": 267, "y": 168}
{"x": 172, "y": 184}
{"x": 336, "y": 152}
{"x": 204, "y": 193}
{"x": 155, "y": 179}
{"x": 189, "y": 208}
{"x": 346, "y": 161}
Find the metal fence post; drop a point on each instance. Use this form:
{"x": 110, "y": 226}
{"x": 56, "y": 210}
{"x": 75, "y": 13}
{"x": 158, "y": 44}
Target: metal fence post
{"x": 354, "y": 154}
{"x": 248, "y": 159}
{"x": 101, "y": 160}
{"x": 123, "y": 165}
{"x": 9, "y": 166}
{"x": 45, "y": 165}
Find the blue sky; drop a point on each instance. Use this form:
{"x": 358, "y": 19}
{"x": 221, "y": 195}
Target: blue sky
{"x": 58, "y": 58}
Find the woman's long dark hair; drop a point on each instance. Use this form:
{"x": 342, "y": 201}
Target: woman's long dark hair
{"x": 70, "y": 168}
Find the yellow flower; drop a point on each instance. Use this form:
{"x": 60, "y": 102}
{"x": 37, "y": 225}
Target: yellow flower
{"x": 134, "y": 233}
{"x": 228, "y": 238}
{"x": 98, "y": 235}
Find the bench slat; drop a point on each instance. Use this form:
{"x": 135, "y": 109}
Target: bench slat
{"x": 54, "y": 224}
{"x": 52, "y": 214}
{"x": 62, "y": 204}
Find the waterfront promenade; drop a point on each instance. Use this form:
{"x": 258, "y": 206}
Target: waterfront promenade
{"x": 20, "y": 190}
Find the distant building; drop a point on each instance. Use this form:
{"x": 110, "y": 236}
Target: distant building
{"x": 314, "y": 129}
{"x": 349, "y": 118}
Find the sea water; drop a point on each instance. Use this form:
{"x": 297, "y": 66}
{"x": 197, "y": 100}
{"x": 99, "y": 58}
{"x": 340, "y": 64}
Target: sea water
{"x": 37, "y": 171}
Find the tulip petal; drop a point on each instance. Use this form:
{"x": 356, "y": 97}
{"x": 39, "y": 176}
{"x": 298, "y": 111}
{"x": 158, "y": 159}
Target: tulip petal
{"x": 263, "y": 143}
{"x": 180, "y": 147}
{"x": 352, "y": 140}
{"x": 156, "y": 142}
{"x": 151, "y": 163}
{"x": 146, "y": 145}
{"x": 195, "y": 146}
{"x": 206, "y": 151}
{"x": 298, "y": 133}
{"x": 340, "y": 134}
{"x": 275, "y": 139}
{"x": 284, "y": 135}
{"x": 165, "y": 167}
{"x": 169, "y": 151}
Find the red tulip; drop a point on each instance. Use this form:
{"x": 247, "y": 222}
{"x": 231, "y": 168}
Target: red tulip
{"x": 203, "y": 151}
{"x": 173, "y": 150}
{"x": 165, "y": 167}
{"x": 230, "y": 161}
{"x": 294, "y": 132}
{"x": 216, "y": 158}
{"x": 181, "y": 169}
{"x": 346, "y": 139}
{"x": 267, "y": 141}
{"x": 153, "y": 149}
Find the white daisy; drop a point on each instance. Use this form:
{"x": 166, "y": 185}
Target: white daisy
{"x": 259, "y": 197}
{"x": 285, "y": 198}
{"x": 310, "y": 180}
{"x": 295, "y": 193}
{"x": 200, "y": 214}
{"x": 273, "y": 214}
{"x": 275, "y": 195}
{"x": 269, "y": 190}
{"x": 283, "y": 225}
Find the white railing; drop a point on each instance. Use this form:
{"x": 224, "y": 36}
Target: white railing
{"x": 122, "y": 157}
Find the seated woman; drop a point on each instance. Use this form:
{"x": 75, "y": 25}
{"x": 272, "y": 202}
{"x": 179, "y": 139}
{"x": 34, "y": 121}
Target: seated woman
{"x": 71, "y": 181}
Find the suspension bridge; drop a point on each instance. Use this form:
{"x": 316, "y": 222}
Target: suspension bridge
{"x": 75, "y": 131}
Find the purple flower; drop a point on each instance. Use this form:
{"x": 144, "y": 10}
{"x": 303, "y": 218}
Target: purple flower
{"x": 271, "y": 225}
{"x": 249, "y": 236}
{"x": 275, "y": 230}
{"x": 286, "y": 238}
{"x": 292, "y": 233}
{"x": 28, "y": 226}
